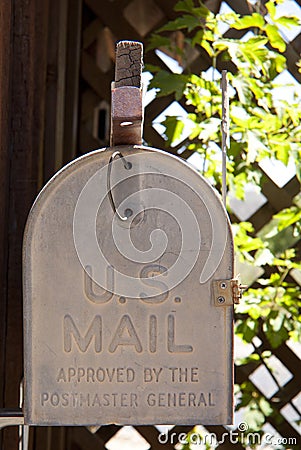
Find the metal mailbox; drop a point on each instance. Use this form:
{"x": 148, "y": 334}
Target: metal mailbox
{"x": 128, "y": 295}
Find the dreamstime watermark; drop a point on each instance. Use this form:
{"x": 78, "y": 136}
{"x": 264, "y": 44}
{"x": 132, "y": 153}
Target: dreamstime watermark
{"x": 240, "y": 435}
{"x": 146, "y": 199}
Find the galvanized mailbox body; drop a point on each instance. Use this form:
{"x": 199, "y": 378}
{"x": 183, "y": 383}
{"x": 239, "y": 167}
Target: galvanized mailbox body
{"x": 128, "y": 321}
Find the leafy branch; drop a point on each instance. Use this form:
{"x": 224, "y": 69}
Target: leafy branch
{"x": 263, "y": 127}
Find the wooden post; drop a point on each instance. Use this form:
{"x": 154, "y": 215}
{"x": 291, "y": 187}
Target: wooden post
{"x": 126, "y": 104}
{"x": 23, "y": 33}
{"x": 5, "y": 73}
{"x": 128, "y": 66}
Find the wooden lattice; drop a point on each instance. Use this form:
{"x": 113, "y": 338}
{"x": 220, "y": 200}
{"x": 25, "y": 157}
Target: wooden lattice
{"x": 103, "y": 23}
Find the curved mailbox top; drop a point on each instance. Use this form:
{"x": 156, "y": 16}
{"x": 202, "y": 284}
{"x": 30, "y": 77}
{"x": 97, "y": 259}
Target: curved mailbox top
{"x": 128, "y": 313}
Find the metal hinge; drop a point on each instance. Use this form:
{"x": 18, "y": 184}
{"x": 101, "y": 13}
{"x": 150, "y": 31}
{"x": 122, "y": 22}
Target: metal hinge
{"x": 227, "y": 292}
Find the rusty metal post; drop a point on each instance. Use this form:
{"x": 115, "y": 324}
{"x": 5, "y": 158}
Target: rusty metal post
{"x": 126, "y": 103}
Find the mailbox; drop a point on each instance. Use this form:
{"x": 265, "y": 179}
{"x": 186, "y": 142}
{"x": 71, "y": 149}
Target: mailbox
{"x": 128, "y": 294}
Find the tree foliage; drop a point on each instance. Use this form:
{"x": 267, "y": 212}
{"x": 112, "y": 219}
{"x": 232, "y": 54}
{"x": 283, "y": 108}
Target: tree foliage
{"x": 262, "y": 127}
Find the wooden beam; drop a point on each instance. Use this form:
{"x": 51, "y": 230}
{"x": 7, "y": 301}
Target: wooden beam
{"x": 100, "y": 82}
{"x": 90, "y": 33}
{"x": 73, "y": 53}
{"x": 22, "y": 79}
{"x": 55, "y": 88}
{"x": 111, "y": 15}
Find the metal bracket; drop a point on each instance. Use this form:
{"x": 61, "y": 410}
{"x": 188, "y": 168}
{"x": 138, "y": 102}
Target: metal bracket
{"x": 126, "y": 116}
{"x": 10, "y": 417}
{"x": 227, "y": 292}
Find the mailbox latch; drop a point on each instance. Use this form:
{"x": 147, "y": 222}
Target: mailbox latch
{"x": 227, "y": 292}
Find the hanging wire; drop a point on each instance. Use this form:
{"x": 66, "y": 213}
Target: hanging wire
{"x": 127, "y": 165}
{"x": 225, "y": 132}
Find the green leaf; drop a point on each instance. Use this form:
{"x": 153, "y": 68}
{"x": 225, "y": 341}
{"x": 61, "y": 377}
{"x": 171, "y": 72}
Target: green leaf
{"x": 283, "y": 152}
{"x": 255, "y": 42}
{"x": 197, "y": 38}
{"x": 174, "y": 128}
{"x": 294, "y": 115}
{"x": 255, "y": 20}
{"x": 298, "y": 166}
{"x": 255, "y": 312}
{"x": 275, "y": 38}
{"x": 273, "y": 314}
{"x": 185, "y": 5}
{"x": 209, "y": 128}
{"x": 253, "y": 358}
{"x": 169, "y": 83}
{"x": 255, "y": 145}
{"x": 265, "y": 407}
{"x": 270, "y": 6}
{"x": 280, "y": 63}
{"x": 151, "y": 68}
{"x": 249, "y": 57}
{"x": 157, "y": 41}
{"x": 254, "y": 418}
{"x": 188, "y": 6}
{"x": 288, "y": 217}
{"x": 243, "y": 89}
{"x": 256, "y": 87}
{"x": 184, "y": 22}
{"x": 288, "y": 21}
{"x": 276, "y": 331}
{"x": 247, "y": 329}
{"x": 206, "y": 46}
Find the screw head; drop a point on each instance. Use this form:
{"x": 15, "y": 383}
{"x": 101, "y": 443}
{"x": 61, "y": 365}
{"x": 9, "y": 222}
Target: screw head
{"x": 128, "y": 212}
{"x": 128, "y": 165}
{"x": 221, "y": 300}
{"x": 223, "y": 285}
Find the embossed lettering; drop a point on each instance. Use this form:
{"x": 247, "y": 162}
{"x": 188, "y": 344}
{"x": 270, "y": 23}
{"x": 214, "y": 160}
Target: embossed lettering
{"x": 180, "y": 399}
{"x": 184, "y": 374}
{"x": 147, "y": 274}
{"x": 153, "y": 333}
{"x": 171, "y": 345}
{"x": 90, "y": 400}
{"x": 125, "y": 335}
{"x": 61, "y": 376}
{"x": 89, "y": 290}
{"x": 151, "y": 374}
{"x": 82, "y": 342}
